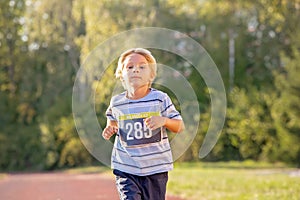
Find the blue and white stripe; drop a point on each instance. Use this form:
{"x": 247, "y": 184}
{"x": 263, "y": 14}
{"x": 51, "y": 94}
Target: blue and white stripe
{"x": 145, "y": 158}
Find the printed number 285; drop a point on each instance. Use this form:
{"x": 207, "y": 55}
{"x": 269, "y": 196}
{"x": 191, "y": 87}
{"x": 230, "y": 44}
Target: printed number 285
{"x": 136, "y": 130}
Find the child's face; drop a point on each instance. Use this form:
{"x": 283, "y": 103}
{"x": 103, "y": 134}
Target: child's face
{"x": 136, "y": 71}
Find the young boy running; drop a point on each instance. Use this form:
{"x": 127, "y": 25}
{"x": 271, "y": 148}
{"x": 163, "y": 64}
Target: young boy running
{"x": 141, "y": 156}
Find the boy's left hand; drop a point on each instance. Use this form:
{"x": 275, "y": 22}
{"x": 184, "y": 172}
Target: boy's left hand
{"x": 155, "y": 122}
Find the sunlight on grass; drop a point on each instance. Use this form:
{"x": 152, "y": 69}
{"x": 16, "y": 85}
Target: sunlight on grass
{"x": 230, "y": 181}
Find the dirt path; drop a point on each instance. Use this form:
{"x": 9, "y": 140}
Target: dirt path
{"x": 59, "y": 186}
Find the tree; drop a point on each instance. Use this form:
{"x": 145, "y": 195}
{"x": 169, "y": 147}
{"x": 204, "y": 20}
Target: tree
{"x": 286, "y": 109}
{"x": 18, "y": 133}
{"x": 52, "y": 33}
{"x": 249, "y": 131}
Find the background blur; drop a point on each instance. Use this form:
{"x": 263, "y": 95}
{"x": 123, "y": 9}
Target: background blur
{"x": 255, "y": 45}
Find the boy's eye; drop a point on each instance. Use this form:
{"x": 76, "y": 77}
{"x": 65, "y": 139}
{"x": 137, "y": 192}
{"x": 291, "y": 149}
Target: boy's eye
{"x": 130, "y": 67}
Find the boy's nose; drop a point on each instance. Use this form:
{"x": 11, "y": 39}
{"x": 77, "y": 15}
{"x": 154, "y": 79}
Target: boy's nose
{"x": 136, "y": 69}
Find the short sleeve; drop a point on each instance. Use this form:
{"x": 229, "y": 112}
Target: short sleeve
{"x": 169, "y": 110}
{"x": 109, "y": 114}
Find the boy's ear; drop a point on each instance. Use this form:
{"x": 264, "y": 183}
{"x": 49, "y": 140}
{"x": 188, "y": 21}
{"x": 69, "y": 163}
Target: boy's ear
{"x": 152, "y": 77}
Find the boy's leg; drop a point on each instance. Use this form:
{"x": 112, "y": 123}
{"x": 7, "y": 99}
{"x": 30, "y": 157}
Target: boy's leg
{"x": 154, "y": 186}
{"x": 127, "y": 186}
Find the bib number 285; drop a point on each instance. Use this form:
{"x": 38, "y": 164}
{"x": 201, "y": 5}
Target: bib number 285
{"x": 137, "y": 130}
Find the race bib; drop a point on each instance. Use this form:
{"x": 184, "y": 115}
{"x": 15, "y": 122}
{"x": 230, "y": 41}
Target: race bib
{"x": 134, "y": 132}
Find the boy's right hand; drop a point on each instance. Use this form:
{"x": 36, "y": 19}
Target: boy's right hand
{"x": 109, "y": 131}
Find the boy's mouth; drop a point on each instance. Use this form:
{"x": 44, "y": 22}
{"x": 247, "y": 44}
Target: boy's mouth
{"x": 136, "y": 77}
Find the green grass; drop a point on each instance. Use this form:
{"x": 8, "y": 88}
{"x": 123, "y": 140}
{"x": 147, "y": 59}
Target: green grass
{"x": 234, "y": 181}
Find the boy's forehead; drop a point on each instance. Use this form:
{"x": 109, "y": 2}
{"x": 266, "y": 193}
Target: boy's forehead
{"x": 135, "y": 57}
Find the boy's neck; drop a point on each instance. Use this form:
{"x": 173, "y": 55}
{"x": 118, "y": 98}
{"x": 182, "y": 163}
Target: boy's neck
{"x": 137, "y": 93}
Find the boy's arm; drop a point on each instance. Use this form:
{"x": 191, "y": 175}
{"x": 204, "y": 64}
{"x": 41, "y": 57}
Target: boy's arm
{"x": 110, "y": 129}
{"x": 174, "y": 125}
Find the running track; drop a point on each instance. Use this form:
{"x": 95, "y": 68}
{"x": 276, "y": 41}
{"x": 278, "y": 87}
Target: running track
{"x": 59, "y": 186}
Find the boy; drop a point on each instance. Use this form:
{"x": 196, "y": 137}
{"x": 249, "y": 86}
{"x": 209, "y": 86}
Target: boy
{"x": 141, "y": 157}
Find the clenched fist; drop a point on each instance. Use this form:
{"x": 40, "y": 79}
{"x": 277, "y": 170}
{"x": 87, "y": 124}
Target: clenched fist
{"x": 155, "y": 122}
{"x": 109, "y": 131}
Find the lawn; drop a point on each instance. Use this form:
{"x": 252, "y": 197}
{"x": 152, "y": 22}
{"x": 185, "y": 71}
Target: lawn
{"x": 234, "y": 181}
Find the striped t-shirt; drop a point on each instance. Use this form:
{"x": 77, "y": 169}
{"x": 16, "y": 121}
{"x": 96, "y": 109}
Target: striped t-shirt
{"x": 138, "y": 150}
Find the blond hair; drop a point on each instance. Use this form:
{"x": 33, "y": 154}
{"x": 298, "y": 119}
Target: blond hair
{"x": 144, "y": 52}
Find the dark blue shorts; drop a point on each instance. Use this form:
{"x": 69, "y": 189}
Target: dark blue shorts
{"x": 132, "y": 187}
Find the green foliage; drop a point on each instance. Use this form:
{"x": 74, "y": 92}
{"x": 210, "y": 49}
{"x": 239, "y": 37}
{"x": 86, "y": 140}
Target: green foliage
{"x": 249, "y": 132}
{"x": 21, "y": 148}
{"x": 286, "y": 110}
